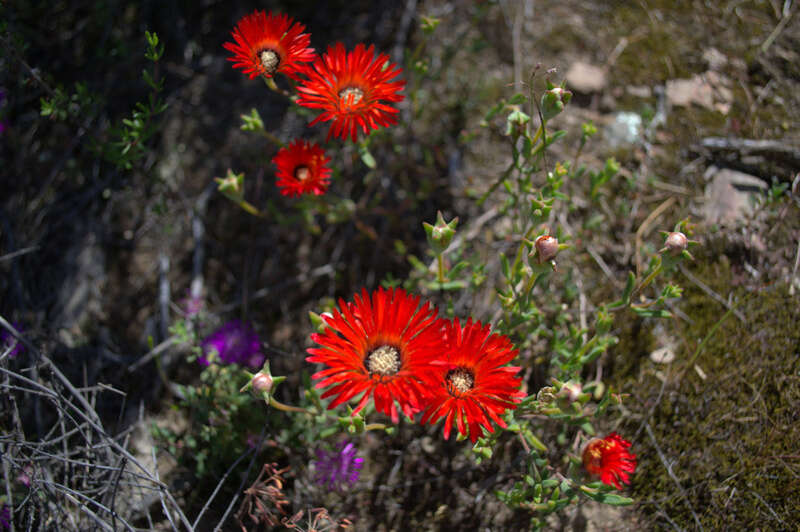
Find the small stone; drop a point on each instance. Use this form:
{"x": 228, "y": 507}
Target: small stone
{"x": 709, "y": 90}
{"x": 626, "y": 129}
{"x": 715, "y": 59}
{"x": 685, "y": 92}
{"x": 639, "y": 91}
{"x": 663, "y": 355}
{"x": 585, "y": 78}
{"x": 729, "y": 195}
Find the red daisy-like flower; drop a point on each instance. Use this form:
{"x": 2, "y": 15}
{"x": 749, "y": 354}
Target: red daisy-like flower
{"x": 352, "y": 89}
{"x": 301, "y": 169}
{"x": 381, "y": 345}
{"x": 473, "y": 384}
{"x": 268, "y": 44}
{"x": 609, "y": 459}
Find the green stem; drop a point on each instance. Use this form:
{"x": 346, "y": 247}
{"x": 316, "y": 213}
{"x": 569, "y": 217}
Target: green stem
{"x": 250, "y": 208}
{"x": 440, "y": 264}
{"x": 274, "y": 87}
{"x": 274, "y": 403}
{"x": 538, "y": 134}
{"x": 375, "y": 426}
{"x": 521, "y": 247}
{"x": 649, "y": 279}
{"x": 272, "y": 138}
{"x": 530, "y": 284}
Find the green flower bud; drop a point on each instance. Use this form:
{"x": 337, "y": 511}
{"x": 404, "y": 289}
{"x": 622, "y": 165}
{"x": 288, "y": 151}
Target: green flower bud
{"x": 440, "y": 235}
{"x": 232, "y": 186}
{"x": 554, "y": 100}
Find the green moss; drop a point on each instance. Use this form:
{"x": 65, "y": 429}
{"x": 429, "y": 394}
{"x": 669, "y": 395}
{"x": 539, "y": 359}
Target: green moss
{"x": 730, "y": 435}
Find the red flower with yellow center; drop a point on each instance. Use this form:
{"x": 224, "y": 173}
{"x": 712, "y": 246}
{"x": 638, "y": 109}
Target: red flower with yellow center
{"x": 381, "y": 346}
{"x": 352, "y": 89}
{"x": 609, "y": 459}
{"x": 301, "y": 169}
{"x": 473, "y": 385}
{"x": 268, "y": 44}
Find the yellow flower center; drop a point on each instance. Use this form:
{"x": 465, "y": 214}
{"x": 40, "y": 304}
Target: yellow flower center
{"x": 270, "y": 60}
{"x": 301, "y": 173}
{"x": 459, "y": 381}
{"x": 383, "y": 361}
{"x": 351, "y": 95}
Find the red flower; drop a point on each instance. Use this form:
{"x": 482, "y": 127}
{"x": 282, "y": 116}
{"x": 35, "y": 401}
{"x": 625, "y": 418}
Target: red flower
{"x": 382, "y": 346}
{"x": 301, "y": 169}
{"x": 268, "y": 44}
{"x": 351, "y": 89}
{"x": 609, "y": 459}
{"x": 473, "y": 383}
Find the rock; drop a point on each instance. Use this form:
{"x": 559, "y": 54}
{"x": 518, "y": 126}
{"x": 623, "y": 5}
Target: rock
{"x": 639, "y": 91}
{"x": 586, "y": 78}
{"x": 707, "y": 90}
{"x": 715, "y": 59}
{"x": 729, "y": 195}
{"x": 685, "y": 92}
{"x": 626, "y": 128}
{"x": 663, "y": 355}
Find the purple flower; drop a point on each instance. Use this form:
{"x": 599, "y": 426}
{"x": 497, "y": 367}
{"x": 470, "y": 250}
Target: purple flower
{"x": 25, "y": 476}
{"x": 9, "y": 341}
{"x": 5, "y": 517}
{"x": 192, "y": 305}
{"x": 234, "y": 343}
{"x": 339, "y": 468}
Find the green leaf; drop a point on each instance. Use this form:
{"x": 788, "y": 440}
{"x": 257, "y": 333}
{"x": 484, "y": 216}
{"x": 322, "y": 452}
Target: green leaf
{"x": 366, "y": 156}
{"x": 517, "y": 99}
{"x": 626, "y": 294}
{"x": 613, "y": 499}
{"x": 505, "y": 265}
{"x": 652, "y": 313}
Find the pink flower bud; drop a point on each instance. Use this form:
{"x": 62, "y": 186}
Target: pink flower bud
{"x": 546, "y": 248}
{"x": 571, "y": 391}
{"x": 676, "y": 243}
{"x": 262, "y": 382}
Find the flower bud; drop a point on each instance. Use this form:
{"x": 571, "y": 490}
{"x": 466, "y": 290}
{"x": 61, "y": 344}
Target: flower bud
{"x": 676, "y": 243}
{"x": 546, "y": 395}
{"x": 546, "y": 248}
{"x": 262, "y": 382}
{"x": 232, "y": 185}
{"x": 554, "y": 100}
{"x": 440, "y": 235}
{"x": 571, "y": 391}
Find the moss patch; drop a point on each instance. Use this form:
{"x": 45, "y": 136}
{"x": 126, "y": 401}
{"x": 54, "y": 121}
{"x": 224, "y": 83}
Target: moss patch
{"x": 730, "y": 438}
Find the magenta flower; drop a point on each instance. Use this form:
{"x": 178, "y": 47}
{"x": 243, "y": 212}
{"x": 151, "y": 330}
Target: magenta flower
{"x": 339, "y": 468}
{"x": 8, "y": 341}
{"x": 234, "y": 343}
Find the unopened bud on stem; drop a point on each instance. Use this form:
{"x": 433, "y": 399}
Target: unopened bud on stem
{"x": 546, "y": 248}
{"x": 262, "y": 382}
{"x": 676, "y": 243}
{"x": 571, "y": 391}
{"x": 441, "y": 234}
